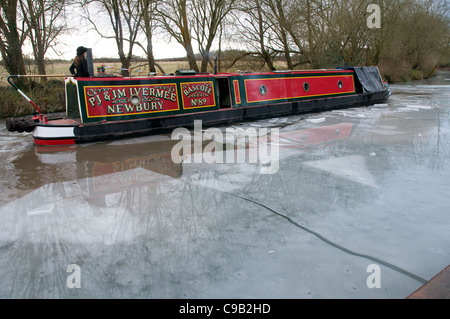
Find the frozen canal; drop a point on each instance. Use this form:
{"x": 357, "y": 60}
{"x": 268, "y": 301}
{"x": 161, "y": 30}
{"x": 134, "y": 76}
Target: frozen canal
{"x": 358, "y": 207}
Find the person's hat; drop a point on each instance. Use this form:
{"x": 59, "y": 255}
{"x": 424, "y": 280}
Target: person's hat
{"x": 81, "y": 50}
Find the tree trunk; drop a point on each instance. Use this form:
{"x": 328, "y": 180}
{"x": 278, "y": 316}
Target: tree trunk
{"x": 191, "y": 57}
{"x": 205, "y": 60}
{"x": 125, "y": 64}
{"x": 264, "y": 53}
{"x": 150, "y": 57}
{"x": 187, "y": 39}
{"x": 311, "y": 59}
{"x": 40, "y": 62}
{"x": 11, "y": 49}
{"x": 147, "y": 25}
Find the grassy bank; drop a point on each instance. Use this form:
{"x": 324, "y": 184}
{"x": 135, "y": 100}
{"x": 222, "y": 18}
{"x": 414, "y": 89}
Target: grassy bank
{"x": 49, "y": 96}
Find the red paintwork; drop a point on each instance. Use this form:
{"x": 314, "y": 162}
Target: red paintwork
{"x": 318, "y": 135}
{"x": 54, "y": 142}
{"x": 197, "y": 94}
{"x": 237, "y": 94}
{"x": 289, "y": 88}
{"x": 63, "y": 122}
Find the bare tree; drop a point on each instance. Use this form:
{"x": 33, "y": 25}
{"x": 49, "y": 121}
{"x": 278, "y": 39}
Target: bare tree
{"x": 44, "y": 19}
{"x": 12, "y": 38}
{"x": 125, "y": 19}
{"x": 255, "y": 30}
{"x": 348, "y": 31}
{"x": 208, "y": 16}
{"x": 285, "y": 18}
{"x": 173, "y": 16}
{"x": 413, "y": 38}
{"x": 148, "y": 7}
{"x": 313, "y": 31}
{"x": 278, "y": 14}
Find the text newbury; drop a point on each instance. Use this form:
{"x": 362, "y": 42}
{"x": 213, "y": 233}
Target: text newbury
{"x": 232, "y": 146}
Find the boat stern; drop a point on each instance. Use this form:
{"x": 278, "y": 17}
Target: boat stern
{"x": 55, "y": 132}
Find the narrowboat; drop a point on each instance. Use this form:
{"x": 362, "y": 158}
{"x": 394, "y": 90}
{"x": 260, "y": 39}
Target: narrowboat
{"x": 103, "y": 107}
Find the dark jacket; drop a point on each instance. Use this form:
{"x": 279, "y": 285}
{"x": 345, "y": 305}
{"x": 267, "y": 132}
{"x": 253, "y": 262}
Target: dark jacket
{"x": 81, "y": 69}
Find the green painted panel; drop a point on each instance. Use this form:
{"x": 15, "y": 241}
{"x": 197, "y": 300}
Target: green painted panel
{"x": 72, "y": 109}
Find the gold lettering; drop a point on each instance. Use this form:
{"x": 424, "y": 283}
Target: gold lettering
{"x": 159, "y": 93}
{"x": 129, "y": 108}
{"x": 121, "y": 93}
{"x": 166, "y": 95}
{"x": 92, "y": 101}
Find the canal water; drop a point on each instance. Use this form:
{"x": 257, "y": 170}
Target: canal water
{"x": 354, "y": 203}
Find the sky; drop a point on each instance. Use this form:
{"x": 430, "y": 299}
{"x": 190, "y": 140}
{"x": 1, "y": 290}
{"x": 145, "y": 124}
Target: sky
{"x": 81, "y": 33}
{"x": 101, "y": 48}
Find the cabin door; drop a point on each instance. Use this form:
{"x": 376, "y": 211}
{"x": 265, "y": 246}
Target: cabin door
{"x": 224, "y": 92}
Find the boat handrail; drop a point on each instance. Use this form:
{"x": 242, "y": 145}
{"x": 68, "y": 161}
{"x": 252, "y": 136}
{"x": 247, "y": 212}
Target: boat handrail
{"x": 20, "y": 91}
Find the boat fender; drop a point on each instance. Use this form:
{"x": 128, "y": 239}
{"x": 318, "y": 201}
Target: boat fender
{"x": 20, "y": 125}
{"x": 10, "y": 124}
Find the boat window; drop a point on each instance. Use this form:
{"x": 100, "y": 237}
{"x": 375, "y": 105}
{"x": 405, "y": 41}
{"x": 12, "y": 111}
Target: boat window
{"x": 306, "y": 86}
{"x": 134, "y": 99}
{"x": 262, "y": 90}
{"x": 340, "y": 85}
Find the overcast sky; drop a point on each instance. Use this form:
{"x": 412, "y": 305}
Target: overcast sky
{"x": 81, "y": 34}
{"x": 107, "y": 47}
{"x": 66, "y": 49}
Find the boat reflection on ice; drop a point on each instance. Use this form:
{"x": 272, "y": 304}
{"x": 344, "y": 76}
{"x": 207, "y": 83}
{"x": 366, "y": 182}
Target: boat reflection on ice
{"x": 124, "y": 165}
{"x": 317, "y": 135}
